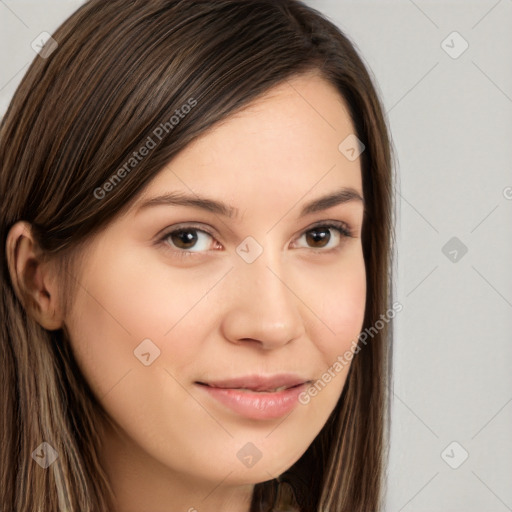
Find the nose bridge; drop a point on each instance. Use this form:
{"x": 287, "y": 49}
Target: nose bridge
{"x": 264, "y": 306}
{"x": 268, "y": 278}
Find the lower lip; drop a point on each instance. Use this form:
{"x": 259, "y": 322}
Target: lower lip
{"x": 256, "y": 405}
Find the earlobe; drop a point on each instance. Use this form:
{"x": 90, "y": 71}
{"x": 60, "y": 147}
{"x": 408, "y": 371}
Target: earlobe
{"x": 30, "y": 277}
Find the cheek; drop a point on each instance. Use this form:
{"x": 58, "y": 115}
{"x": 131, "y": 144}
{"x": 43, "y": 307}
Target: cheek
{"x": 118, "y": 306}
{"x": 339, "y": 301}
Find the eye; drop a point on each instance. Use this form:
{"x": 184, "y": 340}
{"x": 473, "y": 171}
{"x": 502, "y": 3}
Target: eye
{"x": 319, "y": 236}
{"x": 188, "y": 240}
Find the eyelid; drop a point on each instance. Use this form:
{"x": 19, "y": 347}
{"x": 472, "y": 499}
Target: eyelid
{"x": 333, "y": 224}
{"x": 186, "y": 225}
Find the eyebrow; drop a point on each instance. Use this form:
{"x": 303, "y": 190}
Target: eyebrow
{"x": 341, "y": 196}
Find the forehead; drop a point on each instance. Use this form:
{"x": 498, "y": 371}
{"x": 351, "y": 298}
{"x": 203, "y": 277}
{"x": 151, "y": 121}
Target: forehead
{"x": 282, "y": 144}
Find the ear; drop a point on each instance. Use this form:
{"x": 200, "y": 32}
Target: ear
{"x": 33, "y": 282}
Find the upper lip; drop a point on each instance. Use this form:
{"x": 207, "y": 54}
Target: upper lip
{"x": 258, "y": 382}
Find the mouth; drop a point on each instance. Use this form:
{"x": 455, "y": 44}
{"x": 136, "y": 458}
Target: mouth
{"x": 256, "y": 397}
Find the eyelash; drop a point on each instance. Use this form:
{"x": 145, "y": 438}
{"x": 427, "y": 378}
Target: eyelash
{"x": 341, "y": 227}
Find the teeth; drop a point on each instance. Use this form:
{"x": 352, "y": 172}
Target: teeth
{"x": 274, "y": 390}
{"x": 265, "y": 390}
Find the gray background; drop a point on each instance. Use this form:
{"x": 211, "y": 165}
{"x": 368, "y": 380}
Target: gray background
{"x": 450, "y": 120}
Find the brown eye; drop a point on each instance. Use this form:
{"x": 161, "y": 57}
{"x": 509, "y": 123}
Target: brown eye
{"x": 188, "y": 240}
{"x": 318, "y": 237}
{"x": 327, "y": 236}
{"x": 184, "y": 238}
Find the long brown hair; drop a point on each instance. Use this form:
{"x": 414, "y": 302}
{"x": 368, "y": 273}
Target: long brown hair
{"x": 121, "y": 69}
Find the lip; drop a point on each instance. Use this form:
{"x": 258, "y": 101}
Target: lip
{"x": 253, "y": 401}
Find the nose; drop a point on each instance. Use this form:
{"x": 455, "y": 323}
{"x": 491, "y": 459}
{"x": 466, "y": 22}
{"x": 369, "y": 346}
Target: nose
{"x": 263, "y": 305}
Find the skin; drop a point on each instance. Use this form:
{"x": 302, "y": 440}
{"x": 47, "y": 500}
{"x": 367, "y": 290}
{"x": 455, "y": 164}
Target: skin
{"x": 213, "y": 315}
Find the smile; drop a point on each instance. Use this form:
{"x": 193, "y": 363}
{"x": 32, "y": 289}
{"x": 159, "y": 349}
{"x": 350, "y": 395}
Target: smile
{"x": 257, "y": 398}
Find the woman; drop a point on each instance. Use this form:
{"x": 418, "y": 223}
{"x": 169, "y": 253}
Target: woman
{"x": 197, "y": 220}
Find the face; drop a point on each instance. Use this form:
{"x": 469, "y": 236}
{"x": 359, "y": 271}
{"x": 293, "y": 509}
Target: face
{"x": 179, "y": 298}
